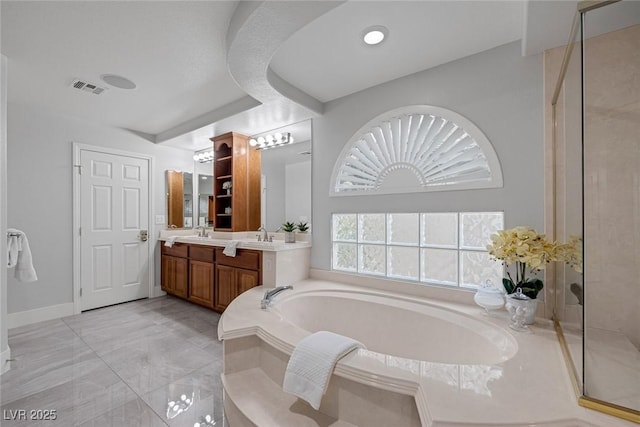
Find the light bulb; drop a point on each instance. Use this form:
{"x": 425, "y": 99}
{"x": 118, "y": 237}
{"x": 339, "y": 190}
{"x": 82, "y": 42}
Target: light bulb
{"x": 374, "y": 35}
{"x": 253, "y": 142}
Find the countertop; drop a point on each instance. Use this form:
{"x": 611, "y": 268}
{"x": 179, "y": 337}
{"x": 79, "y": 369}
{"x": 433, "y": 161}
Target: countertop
{"x": 243, "y": 243}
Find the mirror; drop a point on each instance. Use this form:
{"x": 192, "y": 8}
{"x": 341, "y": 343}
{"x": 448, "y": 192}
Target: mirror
{"x": 179, "y": 199}
{"x": 205, "y": 200}
{"x": 286, "y": 180}
{"x": 203, "y": 187}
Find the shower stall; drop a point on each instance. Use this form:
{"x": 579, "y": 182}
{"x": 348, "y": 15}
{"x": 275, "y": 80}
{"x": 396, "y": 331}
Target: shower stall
{"x": 593, "y": 195}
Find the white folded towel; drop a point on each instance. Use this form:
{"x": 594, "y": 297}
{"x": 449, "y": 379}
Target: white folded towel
{"x": 19, "y": 256}
{"x": 312, "y": 362}
{"x": 170, "y": 241}
{"x": 230, "y": 248}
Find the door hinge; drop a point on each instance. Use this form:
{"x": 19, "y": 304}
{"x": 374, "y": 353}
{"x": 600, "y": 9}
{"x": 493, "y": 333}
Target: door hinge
{"x": 80, "y": 291}
{"x": 80, "y": 231}
{"x": 79, "y": 169}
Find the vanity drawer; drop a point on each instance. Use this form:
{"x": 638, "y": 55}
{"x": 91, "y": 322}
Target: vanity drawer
{"x": 178, "y": 249}
{"x": 245, "y": 258}
{"x": 201, "y": 253}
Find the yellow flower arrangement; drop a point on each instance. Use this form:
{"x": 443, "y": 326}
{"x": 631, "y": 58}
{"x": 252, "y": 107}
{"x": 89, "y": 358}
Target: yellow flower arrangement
{"x": 526, "y": 248}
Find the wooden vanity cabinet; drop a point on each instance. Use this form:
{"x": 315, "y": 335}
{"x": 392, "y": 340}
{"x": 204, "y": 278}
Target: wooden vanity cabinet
{"x": 206, "y": 276}
{"x": 235, "y": 275}
{"x": 201, "y": 275}
{"x": 174, "y": 270}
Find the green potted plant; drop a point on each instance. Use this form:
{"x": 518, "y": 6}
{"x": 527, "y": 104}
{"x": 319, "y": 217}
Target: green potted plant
{"x": 289, "y": 235}
{"x": 303, "y": 227}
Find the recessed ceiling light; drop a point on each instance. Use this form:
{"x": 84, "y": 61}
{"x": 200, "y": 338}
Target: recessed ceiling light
{"x": 374, "y": 35}
{"x": 118, "y": 81}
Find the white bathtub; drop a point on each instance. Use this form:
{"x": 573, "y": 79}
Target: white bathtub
{"x": 399, "y": 327}
{"x": 430, "y": 362}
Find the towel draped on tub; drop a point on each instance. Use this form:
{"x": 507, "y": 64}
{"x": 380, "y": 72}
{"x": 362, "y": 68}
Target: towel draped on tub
{"x": 312, "y": 362}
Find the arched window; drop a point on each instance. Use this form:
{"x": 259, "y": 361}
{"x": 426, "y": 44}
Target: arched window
{"x": 416, "y": 148}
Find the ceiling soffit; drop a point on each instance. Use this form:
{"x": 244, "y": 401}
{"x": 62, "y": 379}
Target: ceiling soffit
{"x": 256, "y": 32}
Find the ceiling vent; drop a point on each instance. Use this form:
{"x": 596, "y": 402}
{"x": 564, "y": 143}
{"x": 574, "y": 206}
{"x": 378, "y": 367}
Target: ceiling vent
{"x": 87, "y": 87}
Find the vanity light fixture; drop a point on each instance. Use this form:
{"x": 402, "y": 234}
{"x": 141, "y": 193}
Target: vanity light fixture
{"x": 374, "y": 35}
{"x": 204, "y": 156}
{"x": 271, "y": 141}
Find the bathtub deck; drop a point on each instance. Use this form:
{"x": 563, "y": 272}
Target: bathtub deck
{"x": 428, "y": 392}
{"x": 263, "y": 402}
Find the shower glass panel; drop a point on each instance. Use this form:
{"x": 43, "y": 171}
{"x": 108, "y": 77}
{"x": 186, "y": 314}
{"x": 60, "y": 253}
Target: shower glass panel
{"x": 567, "y": 191}
{"x": 611, "y": 179}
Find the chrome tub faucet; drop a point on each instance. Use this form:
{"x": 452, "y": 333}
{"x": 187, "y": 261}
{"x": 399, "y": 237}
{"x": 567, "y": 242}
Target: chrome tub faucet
{"x": 269, "y": 294}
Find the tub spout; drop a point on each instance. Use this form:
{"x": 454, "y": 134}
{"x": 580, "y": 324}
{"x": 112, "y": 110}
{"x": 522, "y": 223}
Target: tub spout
{"x": 268, "y": 295}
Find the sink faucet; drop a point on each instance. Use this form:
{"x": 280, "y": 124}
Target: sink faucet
{"x": 265, "y": 234}
{"x": 268, "y": 295}
{"x": 202, "y": 232}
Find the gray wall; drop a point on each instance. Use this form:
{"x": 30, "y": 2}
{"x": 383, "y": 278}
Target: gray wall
{"x": 39, "y": 146}
{"x": 499, "y": 90}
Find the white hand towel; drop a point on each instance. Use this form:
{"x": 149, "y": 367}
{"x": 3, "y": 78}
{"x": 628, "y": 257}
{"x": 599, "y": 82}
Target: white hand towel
{"x": 230, "y": 248}
{"x": 312, "y": 362}
{"x": 24, "y": 262}
{"x": 170, "y": 241}
{"x": 14, "y": 246}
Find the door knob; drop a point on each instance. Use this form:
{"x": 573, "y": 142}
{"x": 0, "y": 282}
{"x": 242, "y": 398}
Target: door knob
{"x": 144, "y": 235}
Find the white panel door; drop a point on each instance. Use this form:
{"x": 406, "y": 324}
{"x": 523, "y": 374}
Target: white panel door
{"x": 114, "y": 210}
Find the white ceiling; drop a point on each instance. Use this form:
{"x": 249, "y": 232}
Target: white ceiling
{"x": 177, "y": 54}
{"x": 173, "y": 51}
{"x": 328, "y": 59}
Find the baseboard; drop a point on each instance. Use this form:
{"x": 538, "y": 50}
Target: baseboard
{"x": 157, "y": 292}
{"x": 22, "y": 318}
{"x": 4, "y": 360}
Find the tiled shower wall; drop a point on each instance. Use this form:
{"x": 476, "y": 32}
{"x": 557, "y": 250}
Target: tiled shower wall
{"x": 611, "y": 178}
{"x": 612, "y": 181}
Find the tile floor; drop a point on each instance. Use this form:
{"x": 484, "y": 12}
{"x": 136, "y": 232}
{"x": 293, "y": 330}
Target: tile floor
{"x": 153, "y": 362}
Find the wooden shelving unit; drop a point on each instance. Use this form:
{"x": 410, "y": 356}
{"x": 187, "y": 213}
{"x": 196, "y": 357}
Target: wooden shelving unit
{"x": 238, "y": 163}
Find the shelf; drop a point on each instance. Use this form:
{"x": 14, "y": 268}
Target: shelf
{"x": 221, "y": 159}
{"x": 223, "y": 214}
{"x": 224, "y": 177}
{"x": 220, "y": 196}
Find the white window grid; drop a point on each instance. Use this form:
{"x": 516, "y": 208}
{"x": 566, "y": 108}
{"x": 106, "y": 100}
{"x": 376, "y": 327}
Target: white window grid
{"x": 418, "y": 243}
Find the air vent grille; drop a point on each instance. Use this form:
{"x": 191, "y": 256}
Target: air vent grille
{"x": 87, "y": 87}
